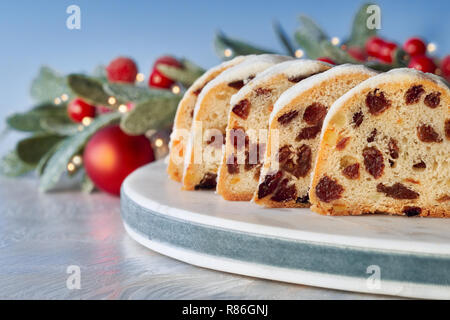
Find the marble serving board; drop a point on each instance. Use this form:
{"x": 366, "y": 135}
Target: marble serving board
{"x": 378, "y": 254}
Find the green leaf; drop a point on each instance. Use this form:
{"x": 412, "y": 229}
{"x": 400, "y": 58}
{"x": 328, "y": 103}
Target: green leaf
{"x": 57, "y": 163}
{"x": 12, "y": 166}
{"x": 59, "y": 125}
{"x": 186, "y": 75}
{"x": 155, "y": 113}
{"x": 31, "y": 150}
{"x": 284, "y": 38}
{"x": 87, "y": 185}
{"x": 90, "y": 89}
{"x": 44, "y": 159}
{"x": 136, "y": 94}
{"x": 336, "y": 54}
{"x": 237, "y": 47}
{"x": 100, "y": 73}
{"x": 310, "y": 45}
{"x": 48, "y": 85}
{"x": 312, "y": 28}
{"x": 360, "y": 32}
{"x": 31, "y": 121}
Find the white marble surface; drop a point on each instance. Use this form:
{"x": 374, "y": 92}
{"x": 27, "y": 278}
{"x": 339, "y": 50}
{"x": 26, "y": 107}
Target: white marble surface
{"x": 42, "y": 234}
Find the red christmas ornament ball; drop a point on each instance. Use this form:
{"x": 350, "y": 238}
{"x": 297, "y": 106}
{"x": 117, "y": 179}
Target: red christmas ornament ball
{"x": 374, "y": 45}
{"x": 445, "y": 66}
{"x": 159, "y": 80}
{"x": 357, "y": 53}
{"x": 415, "y": 47}
{"x": 122, "y": 69}
{"x": 78, "y": 109}
{"x": 386, "y": 53}
{"x": 111, "y": 155}
{"x": 326, "y": 59}
{"x": 422, "y": 63}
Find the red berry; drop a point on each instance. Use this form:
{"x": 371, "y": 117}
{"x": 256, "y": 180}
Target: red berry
{"x": 445, "y": 66}
{"x": 111, "y": 155}
{"x": 326, "y": 59}
{"x": 374, "y": 45}
{"x": 422, "y": 63}
{"x": 78, "y": 109}
{"x": 415, "y": 47}
{"x": 122, "y": 69}
{"x": 159, "y": 80}
{"x": 386, "y": 53}
{"x": 357, "y": 53}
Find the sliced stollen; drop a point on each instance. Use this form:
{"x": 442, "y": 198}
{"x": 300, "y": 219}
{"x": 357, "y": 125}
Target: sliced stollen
{"x": 386, "y": 148}
{"x": 248, "y": 123}
{"x": 294, "y": 130}
{"x": 183, "y": 118}
{"x": 204, "y": 150}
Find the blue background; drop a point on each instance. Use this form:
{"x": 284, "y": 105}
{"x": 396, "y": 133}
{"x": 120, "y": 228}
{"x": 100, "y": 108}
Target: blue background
{"x": 34, "y": 32}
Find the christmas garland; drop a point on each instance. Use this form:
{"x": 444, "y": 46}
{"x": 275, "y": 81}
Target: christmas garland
{"x": 70, "y": 109}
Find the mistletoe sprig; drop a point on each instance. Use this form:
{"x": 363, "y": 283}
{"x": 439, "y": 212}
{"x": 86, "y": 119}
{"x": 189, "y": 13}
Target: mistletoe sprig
{"x": 53, "y": 139}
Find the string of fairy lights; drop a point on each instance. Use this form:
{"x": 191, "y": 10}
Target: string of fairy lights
{"x": 160, "y": 142}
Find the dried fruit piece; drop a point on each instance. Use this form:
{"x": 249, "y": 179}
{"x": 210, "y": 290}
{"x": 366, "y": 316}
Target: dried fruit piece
{"x": 263, "y": 91}
{"x": 238, "y": 138}
{"x": 358, "y": 118}
{"x": 269, "y": 184}
{"x": 372, "y": 136}
{"x": 444, "y": 198}
{"x": 411, "y": 211}
{"x": 420, "y": 165}
{"x": 208, "y": 181}
{"x": 296, "y": 79}
{"x": 376, "y": 102}
{"x": 413, "y": 94}
{"x": 232, "y": 165}
{"x": 426, "y": 133}
{"x": 314, "y": 113}
{"x": 432, "y": 100}
{"x": 242, "y": 109}
{"x": 351, "y": 171}
{"x": 284, "y": 192}
{"x": 447, "y": 129}
{"x": 236, "y": 84}
{"x": 287, "y": 117}
{"x": 328, "y": 189}
{"x": 309, "y": 132}
{"x": 342, "y": 143}
{"x": 303, "y": 164}
{"x": 373, "y": 161}
{"x": 304, "y": 199}
{"x": 397, "y": 191}
{"x": 393, "y": 148}
{"x": 216, "y": 144}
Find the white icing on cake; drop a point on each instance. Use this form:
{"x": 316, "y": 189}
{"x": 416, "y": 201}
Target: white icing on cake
{"x": 291, "y": 68}
{"x": 315, "y": 80}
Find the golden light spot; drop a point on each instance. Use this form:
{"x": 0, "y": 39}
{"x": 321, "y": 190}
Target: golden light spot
{"x": 140, "y": 77}
{"x": 77, "y": 160}
{"x": 159, "y": 142}
{"x": 86, "y": 121}
{"x": 123, "y": 108}
{"x": 431, "y": 47}
{"x": 299, "y": 53}
{"x": 335, "y": 41}
{"x": 227, "y": 52}
{"x": 57, "y": 101}
{"x": 70, "y": 167}
{"x": 64, "y": 97}
{"x": 112, "y": 100}
{"x": 176, "y": 89}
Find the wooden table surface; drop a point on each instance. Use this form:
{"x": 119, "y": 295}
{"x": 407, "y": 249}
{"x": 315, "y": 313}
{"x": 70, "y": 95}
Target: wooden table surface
{"x": 41, "y": 235}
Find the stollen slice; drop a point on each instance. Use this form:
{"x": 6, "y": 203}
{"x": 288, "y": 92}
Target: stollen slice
{"x": 386, "y": 148}
{"x": 294, "y": 130}
{"x": 247, "y": 128}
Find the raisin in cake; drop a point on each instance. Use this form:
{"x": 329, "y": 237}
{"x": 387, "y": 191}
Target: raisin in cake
{"x": 204, "y": 149}
{"x": 386, "y": 148}
{"x": 183, "y": 118}
{"x": 294, "y": 130}
{"x": 248, "y": 122}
